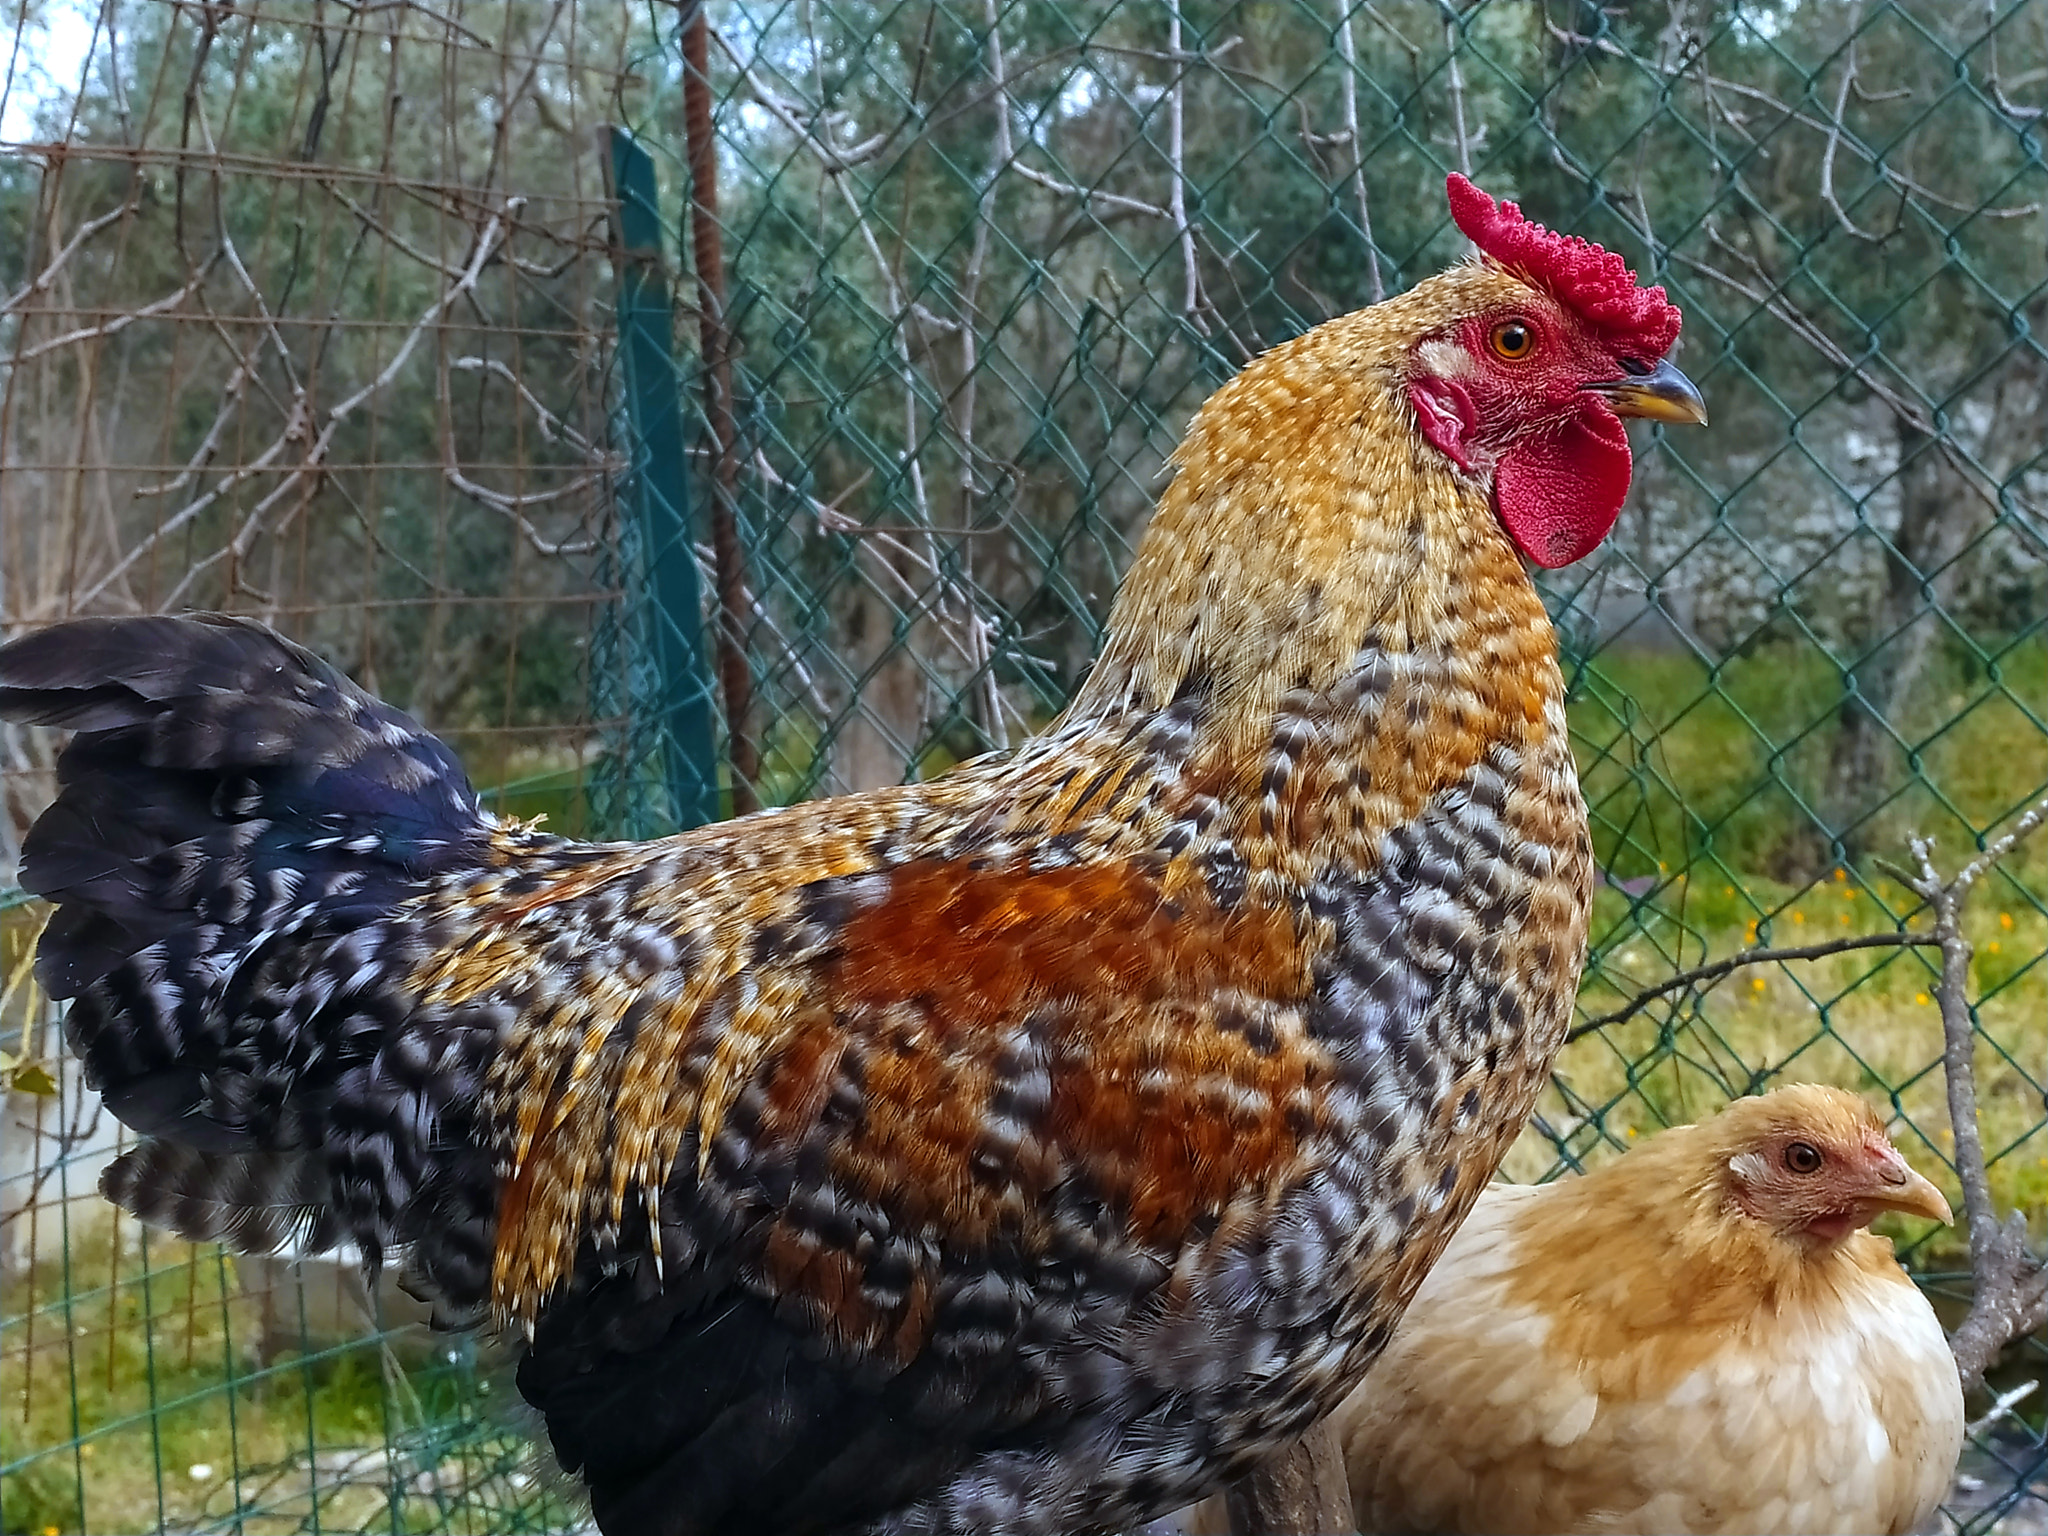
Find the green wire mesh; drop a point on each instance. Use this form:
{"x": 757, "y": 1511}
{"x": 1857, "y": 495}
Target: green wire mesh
{"x": 979, "y": 262}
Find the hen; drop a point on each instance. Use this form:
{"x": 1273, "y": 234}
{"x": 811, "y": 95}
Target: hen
{"x": 1699, "y": 1336}
{"x": 1026, "y": 1150}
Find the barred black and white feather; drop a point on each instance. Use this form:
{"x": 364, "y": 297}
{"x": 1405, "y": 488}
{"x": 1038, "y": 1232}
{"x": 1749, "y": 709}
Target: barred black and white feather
{"x": 235, "y": 826}
{"x": 254, "y": 1202}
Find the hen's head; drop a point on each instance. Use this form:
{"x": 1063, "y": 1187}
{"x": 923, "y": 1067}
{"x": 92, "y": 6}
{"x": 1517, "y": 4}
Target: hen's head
{"x": 1538, "y": 351}
{"x": 1813, "y": 1164}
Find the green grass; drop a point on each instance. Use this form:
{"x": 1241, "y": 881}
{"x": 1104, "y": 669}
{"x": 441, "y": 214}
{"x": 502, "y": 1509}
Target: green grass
{"x": 1687, "y": 765}
{"x": 131, "y": 1398}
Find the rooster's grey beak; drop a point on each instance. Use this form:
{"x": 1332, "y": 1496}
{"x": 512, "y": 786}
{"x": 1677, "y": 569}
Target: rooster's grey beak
{"x": 1662, "y": 394}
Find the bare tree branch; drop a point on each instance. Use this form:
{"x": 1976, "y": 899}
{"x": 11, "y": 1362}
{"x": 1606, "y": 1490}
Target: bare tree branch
{"x": 297, "y": 427}
{"x": 1176, "y": 152}
{"x": 2009, "y": 1291}
{"x": 1347, "y": 53}
{"x": 1764, "y": 955}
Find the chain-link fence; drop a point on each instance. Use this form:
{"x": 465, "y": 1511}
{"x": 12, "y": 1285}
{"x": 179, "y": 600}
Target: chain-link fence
{"x": 402, "y": 327}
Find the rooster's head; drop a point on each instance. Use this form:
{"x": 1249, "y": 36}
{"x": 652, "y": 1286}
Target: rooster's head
{"x": 1547, "y": 341}
{"x": 1377, "y": 482}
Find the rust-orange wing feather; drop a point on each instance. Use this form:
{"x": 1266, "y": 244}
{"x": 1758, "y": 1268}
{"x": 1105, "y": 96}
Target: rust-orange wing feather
{"x": 954, "y": 1033}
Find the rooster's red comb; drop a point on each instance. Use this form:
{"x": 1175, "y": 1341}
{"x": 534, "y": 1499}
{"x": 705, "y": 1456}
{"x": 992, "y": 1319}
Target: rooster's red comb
{"x": 1589, "y": 279}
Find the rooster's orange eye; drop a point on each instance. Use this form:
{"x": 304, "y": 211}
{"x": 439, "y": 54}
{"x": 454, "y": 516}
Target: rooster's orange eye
{"x": 1801, "y": 1158}
{"x": 1513, "y": 340}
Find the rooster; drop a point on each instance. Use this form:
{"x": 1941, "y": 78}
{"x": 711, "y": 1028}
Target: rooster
{"x": 1025, "y": 1150}
{"x": 1699, "y": 1336}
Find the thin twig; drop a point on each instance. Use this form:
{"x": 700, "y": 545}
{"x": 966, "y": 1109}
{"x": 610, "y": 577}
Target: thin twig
{"x": 1834, "y": 135}
{"x": 951, "y": 602}
{"x": 1878, "y": 164}
{"x": 2022, "y": 829}
{"x": 226, "y": 250}
{"x": 371, "y": 7}
{"x": 294, "y": 431}
{"x": 2001, "y": 1407}
{"x": 486, "y": 243}
{"x": 1457, "y": 89}
{"x": 41, "y": 282}
{"x": 209, "y": 445}
{"x": 1095, "y": 194}
{"x": 835, "y": 160}
{"x": 1735, "y": 962}
{"x": 552, "y": 427}
{"x": 962, "y": 404}
{"x": 512, "y": 507}
{"x": 2005, "y": 104}
{"x": 1347, "y": 53}
{"x": 119, "y": 323}
{"x": 833, "y": 520}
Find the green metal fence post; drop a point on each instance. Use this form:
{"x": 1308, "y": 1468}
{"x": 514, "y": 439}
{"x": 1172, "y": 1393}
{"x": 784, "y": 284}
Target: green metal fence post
{"x": 658, "y": 489}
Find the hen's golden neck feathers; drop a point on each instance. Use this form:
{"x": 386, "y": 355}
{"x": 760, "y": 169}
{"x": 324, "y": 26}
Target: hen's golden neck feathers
{"x": 1308, "y": 518}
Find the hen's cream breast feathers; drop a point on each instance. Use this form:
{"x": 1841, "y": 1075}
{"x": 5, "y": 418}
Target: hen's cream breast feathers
{"x": 1572, "y": 1365}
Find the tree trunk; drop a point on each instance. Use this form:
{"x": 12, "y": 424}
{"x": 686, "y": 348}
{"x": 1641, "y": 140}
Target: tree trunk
{"x": 1936, "y": 520}
{"x": 883, "y": 720}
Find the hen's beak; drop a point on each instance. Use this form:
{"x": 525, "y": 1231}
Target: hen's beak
{"x": 1901, "y": 1189}
{"x": 1662, "y": 394}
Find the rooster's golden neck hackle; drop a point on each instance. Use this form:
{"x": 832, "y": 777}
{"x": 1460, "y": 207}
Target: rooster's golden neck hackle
{"x": 1022, "y": 1151}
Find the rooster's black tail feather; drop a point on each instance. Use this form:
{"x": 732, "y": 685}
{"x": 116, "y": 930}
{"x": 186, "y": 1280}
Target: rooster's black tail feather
{"x": 234, "y": 821}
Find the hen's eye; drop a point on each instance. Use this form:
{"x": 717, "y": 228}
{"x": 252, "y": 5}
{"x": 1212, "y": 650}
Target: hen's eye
{"x": 1801, "y": 1158}
{"x": 1513, "y": 340}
